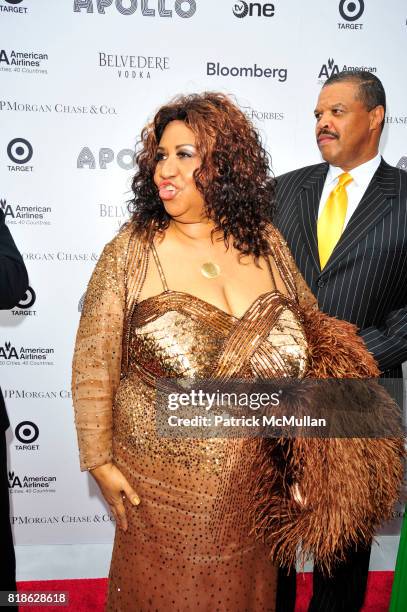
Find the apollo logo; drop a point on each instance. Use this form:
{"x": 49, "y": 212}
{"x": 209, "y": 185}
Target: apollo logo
{"x": 148, "y": 8}
{"x": 124, "y": 158}
{"x": 351, "y": 10}
{"x": 253, "y": 9}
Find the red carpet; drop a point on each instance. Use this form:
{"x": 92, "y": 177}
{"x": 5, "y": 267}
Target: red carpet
{"x": 89, "y": 595}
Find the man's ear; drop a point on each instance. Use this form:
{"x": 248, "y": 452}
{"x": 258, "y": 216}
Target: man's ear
{"x": 376, "y": 117}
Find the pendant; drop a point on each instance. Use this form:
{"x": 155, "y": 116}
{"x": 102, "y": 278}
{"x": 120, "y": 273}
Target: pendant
{"x": 210, "y": 270}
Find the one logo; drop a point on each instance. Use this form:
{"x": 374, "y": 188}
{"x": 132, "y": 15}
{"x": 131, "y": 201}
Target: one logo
{"x": 402, "y": 163}
{"x": 19, "y": 150}
{"x": 14, "y": 1}
{"x": 253, "y": 9}
{"x": 241, "y": 9}
{"x": 27, "y": 432}
{"x": 351, "y": 10}
{"x": 28, "y": 300}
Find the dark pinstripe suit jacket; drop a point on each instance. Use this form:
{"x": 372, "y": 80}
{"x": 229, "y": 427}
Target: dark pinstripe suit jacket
{"x": 365, "y": 279}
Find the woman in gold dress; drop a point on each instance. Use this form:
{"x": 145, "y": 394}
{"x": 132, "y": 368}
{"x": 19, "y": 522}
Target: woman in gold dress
{"x": 197, "y": 285}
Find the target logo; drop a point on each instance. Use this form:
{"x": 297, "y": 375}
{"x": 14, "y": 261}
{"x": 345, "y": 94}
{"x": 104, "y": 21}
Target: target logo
{"x": 351, "y": 10}
{"x": 28, "y": 300}
{"x": 12, "y": 7}
{"x": 27, "y": 432}
{"x": 19, "y": 150}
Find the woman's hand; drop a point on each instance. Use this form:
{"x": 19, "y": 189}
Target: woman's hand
{"x": 115, "y": 488}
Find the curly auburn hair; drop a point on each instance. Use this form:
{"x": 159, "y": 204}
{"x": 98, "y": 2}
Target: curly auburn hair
{"x": 234, "y": 177}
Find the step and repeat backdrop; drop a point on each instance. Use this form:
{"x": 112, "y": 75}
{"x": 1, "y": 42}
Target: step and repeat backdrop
{"x": 79, "y": 79}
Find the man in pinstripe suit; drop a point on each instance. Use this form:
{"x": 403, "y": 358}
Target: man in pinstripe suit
{"x": 364, "y": 278}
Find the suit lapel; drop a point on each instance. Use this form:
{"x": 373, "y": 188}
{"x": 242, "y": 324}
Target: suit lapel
{"x": 374, "y": 205}
{"x": 308, "y": 204}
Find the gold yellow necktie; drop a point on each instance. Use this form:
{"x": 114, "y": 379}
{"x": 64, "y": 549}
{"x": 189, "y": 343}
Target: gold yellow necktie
{"x": 332, "y": 218}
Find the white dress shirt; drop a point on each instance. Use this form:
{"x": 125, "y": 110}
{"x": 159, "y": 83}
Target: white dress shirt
{"x": 362, "y": 175}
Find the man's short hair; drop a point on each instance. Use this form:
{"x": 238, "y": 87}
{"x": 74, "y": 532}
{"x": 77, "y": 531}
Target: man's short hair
{"x": 371, "y": 91}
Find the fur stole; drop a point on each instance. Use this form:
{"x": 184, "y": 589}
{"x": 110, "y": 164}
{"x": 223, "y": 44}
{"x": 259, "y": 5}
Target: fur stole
{"x": 349, "y": 485}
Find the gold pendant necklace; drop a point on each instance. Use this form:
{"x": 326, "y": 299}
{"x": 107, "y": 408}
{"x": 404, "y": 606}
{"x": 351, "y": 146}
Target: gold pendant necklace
{"x": 210, "y": 270}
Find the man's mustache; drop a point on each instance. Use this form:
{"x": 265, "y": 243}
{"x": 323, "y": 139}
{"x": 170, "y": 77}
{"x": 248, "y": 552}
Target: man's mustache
{"x": 324, "y": 132}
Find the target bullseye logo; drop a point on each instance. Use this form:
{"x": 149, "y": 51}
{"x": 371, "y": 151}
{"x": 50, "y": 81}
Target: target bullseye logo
{"x": 27, "y": 432}
{"x": 351, "y": 10}
{"x": 27, "y": 300}
{"x": 20, "y": 151}
{"x": 14, "y": 1}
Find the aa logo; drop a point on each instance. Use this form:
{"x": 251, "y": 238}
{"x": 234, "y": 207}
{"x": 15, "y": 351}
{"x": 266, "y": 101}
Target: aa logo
{"x": 8, "y": 351}
{"x": 6, "y": 208}
{"x": 328, "y": 69}
{"x": 14, "y": 481}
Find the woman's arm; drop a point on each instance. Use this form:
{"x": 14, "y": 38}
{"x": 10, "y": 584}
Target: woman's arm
{"x": 96, "y": 374}
{"x": 97, "y": 358}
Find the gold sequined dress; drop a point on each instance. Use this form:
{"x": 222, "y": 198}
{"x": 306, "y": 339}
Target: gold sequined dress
{"x": 188, "y": 545}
